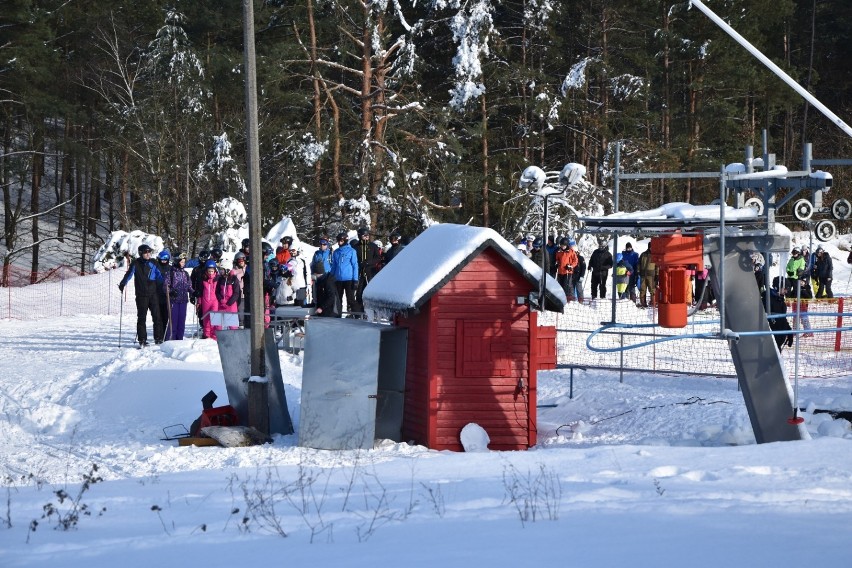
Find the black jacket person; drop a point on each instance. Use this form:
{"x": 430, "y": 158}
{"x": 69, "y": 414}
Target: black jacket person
{"x": 145, "y": 275}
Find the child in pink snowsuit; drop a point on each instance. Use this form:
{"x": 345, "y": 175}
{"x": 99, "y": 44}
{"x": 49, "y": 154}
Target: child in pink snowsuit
{"x": 228, "y": 293}
{"x": 207, "y": 299}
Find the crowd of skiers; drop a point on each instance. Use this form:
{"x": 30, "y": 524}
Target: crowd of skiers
{"x": 564, "y": 261}
{"x": 164, "y": 288}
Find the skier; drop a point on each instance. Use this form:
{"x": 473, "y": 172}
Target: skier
{"x": 180, "y": 289}
{"x": 778, "y": 306}
{"x": 648, "y": 279}
{"x": 824, "y": 272}
{"x": 599, "y": 264}
{"x": 344, "y": 267}
{"x": 207, "y": 301}
{"x": 622, "y": 276}
{"x": 145, "y": 275}
{"x": 164, "y": 265}
{"x": 228, "y": 295}
{"x": 566, "y": 261}
{"x": 395, "y": 246}
{"x": 632, "y": 259}
{"x": 579, "y": 275}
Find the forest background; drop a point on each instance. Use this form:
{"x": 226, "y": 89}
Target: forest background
{"x": 394, "y": 114}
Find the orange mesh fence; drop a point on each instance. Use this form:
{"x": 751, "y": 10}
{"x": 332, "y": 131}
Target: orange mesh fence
{"x": 826, "y": 353}
{"x": 62, "y": 292}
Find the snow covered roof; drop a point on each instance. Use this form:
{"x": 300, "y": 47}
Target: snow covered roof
{"x": 435, "y": 257}
{"x": 673, "y": 214}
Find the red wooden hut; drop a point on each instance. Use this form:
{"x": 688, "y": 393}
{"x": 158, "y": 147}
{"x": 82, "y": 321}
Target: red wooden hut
{"x": 474, "y": 344}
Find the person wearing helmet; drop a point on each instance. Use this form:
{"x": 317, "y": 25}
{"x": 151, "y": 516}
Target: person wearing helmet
{"x": 164, "y": 264}
{"x": 196, "y": 277}
{"x": 579, "y": 273}
{"x": 824, "y": 272}
{"x": 796, "y": 265}
{"x": 179, "y": 286}
{"x": 267, "y": 251}
{"x": 145, "y": 274}
{"x": 216, "y": 255}
{"x": 207, "y": 301}
{"x": 239, "y": 269}
{"x": 299, "y": 277}
{"x": 369, "y": 262}
{"x": 396, "y": 245}
{"x": 320, "y": 268}
{"x": 566, "y": 262}
{"x": 229, "y": 295}
{"x": 622, "y": 276}
{"x": 283, "y": 252}
{"x": 245, "y": 248}
{"x": 344, "y": 269}
{"x": 539, "y": 254}
{"x": 599, "y": 264}
{"x": 631, "y": 257}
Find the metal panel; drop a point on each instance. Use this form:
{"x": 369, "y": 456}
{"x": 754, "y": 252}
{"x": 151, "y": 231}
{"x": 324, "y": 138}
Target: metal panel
{"x": 353, "y": 383}
{"x": 234, "y": 351}
{"x": 762, "y": 376}
{"x": 393, "y": 352}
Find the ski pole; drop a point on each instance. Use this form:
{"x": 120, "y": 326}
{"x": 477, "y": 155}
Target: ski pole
{"x": 120, "y": 319}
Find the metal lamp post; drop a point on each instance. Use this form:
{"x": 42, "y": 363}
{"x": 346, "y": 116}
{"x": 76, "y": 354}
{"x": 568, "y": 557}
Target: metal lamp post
{"x": 534, "y": 180}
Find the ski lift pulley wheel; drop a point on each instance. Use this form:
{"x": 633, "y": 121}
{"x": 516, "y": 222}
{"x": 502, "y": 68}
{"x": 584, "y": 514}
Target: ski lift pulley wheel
{"x": 803, "y": 209}
{"x": 841, "y": 209}
{"x": 755, "y": 203}
{"x": 825, "y": 231}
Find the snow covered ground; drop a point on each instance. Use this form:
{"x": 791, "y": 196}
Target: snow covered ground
{"x": 655, "y": 471}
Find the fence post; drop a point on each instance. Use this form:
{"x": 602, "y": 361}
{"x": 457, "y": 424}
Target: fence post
{"x": 61, "y": 293}
{"x": 621, "y": 358}
{"x": 839, "y": 324}
{"x": 109, "y": 293}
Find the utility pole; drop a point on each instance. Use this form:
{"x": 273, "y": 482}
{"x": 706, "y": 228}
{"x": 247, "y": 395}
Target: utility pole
{"x": 253, "y": 178}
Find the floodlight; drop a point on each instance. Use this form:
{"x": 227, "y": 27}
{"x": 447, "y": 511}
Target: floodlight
{"x": 532, "y": 179}
{"x": 571, "y": 174}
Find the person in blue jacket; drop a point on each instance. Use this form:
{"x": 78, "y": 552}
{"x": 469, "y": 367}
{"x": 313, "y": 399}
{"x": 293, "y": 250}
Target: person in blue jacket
{"x": 145, "y": 276}
{"x": 344, "y": 268}
{"x": 631, "y": 258}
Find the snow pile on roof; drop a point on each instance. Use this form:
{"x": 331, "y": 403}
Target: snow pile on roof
{"x": 680, "y": 210}
{"x": 422, "y": 266}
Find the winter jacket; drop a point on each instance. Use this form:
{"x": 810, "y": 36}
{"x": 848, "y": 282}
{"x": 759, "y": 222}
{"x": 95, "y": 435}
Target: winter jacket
{"x": 323, "y": 256}
{"x": 145, "y": 276}
{"x": 369, "y": 258}
{"x": 622, "y": 276}
{"x": 537, "y": 256}
{"x": 228, "y": 293}
{"x": 240, "y": 274}
{"x": 601, "y": 260}
{"x": 824, "y": 267}
{"x": 393, "y": 251}
{"x": 580, "y": 269}
{"x": 207, "y": 299}
{"x": 647, "y": 268}
{"x": 631, "y": 257}
{"x": 180, "y": 286}
{"x": 196, "y": 277}
{"x": 566, "y": 261}
{"x": 282, "y": 256}
{"x": 344, "y": 264}
{"x": 795, "y": 267}
{"x": 777, "y": 306}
